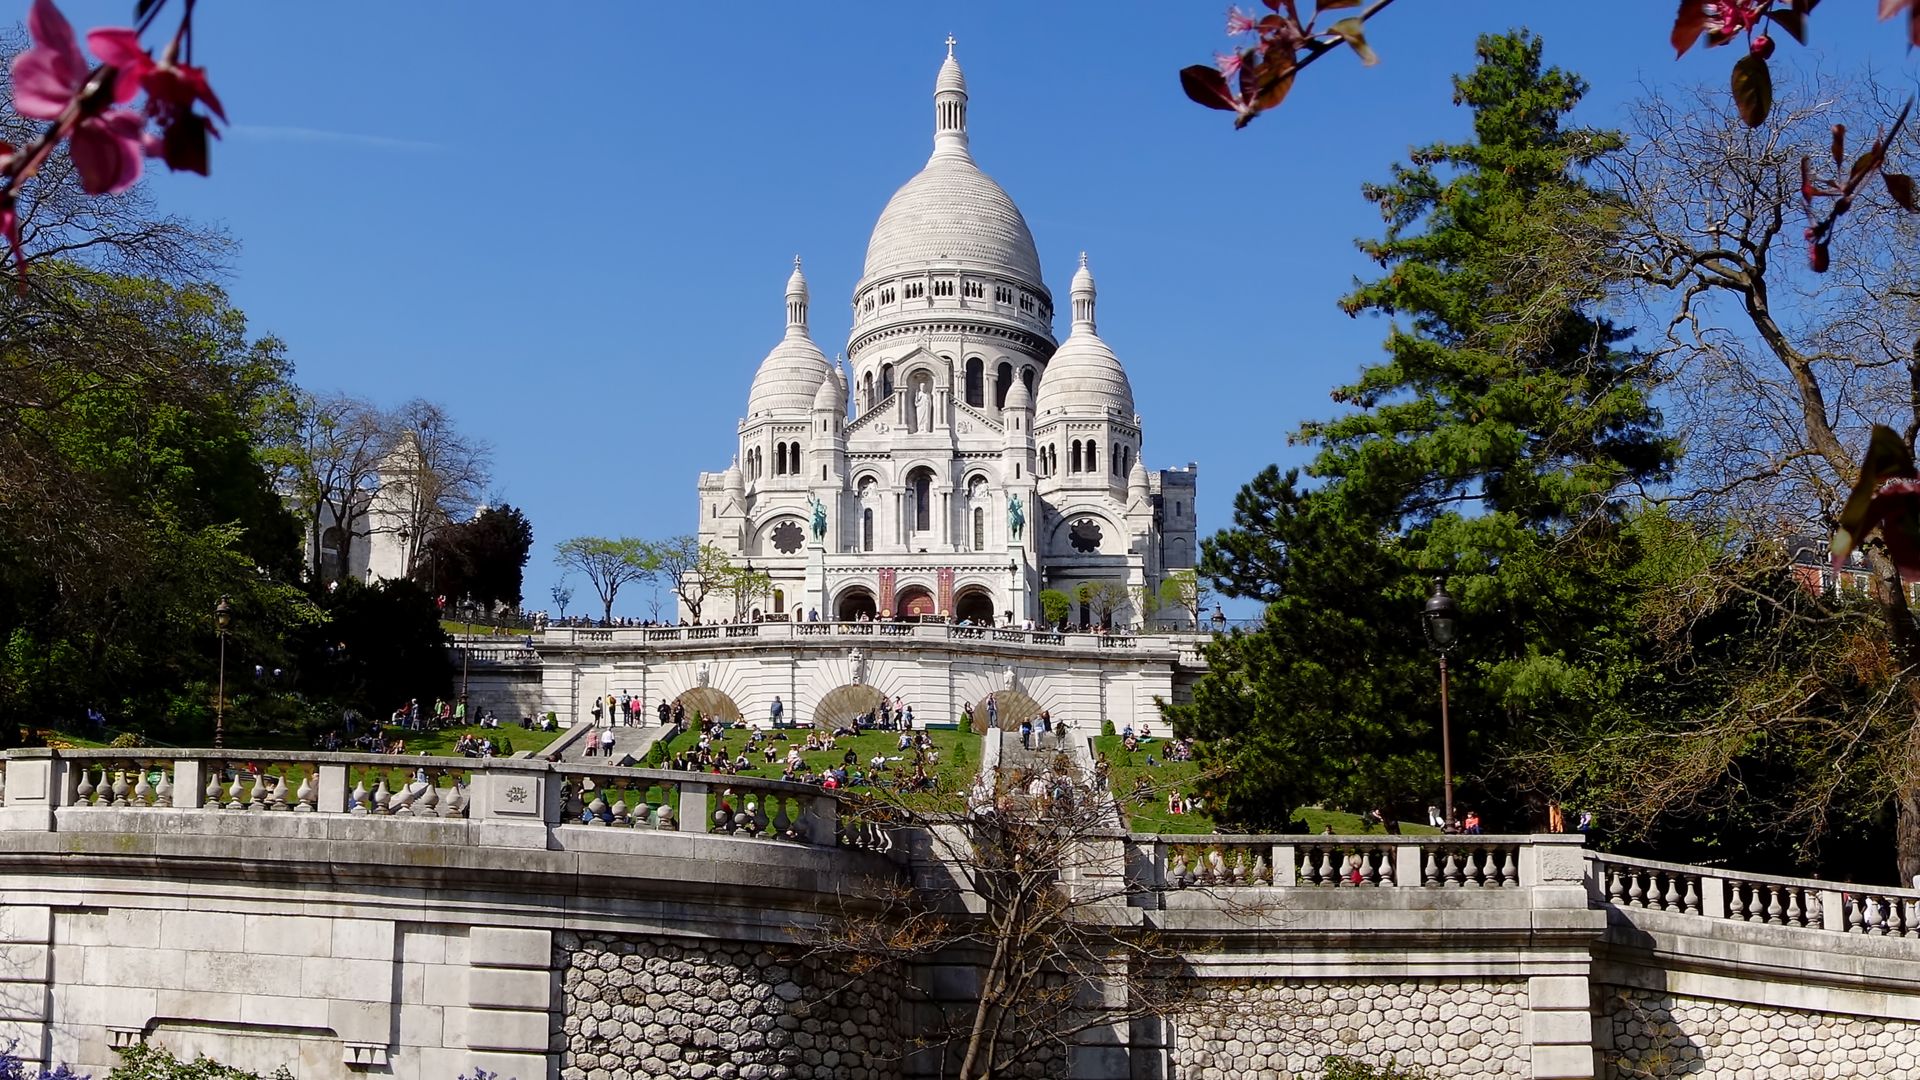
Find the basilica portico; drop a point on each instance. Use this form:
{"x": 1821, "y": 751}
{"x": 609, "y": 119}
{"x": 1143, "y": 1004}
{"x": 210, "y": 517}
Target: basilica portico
{"x": 960, "y": 459}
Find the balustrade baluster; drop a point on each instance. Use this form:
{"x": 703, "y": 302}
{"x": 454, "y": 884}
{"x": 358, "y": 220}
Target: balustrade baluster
{"x": 1690, "y": 900}
{"x": 1177, "y": 870}
{"x": 279, "y": 799}
{"x": 427, "y": 804}
{"x": 757, "y": 818}
{"x": 620, "y": 812}
{"x": 142, "y": 789}
{"x": 211, "y": 796}
{"x": 163, "y": 791}
{"x": 782, "y": 821}
{"x": 357, "y": 801}
{"x": 1328, "y": 875}
{"x": 1776, "y": 912}
{"x": 119, "y": 790}
{"x": 1430, "y": 869}
{"x": 1509, "y": 868}
{"x": 1637, "y": 896}
{"x": 83, "y": 791}
{"x": 668, "y": 818}
{"x": 1262, "y": 873}
{"x": 236, "y": 792}
{"x": 262, "y": 787}
{"x": 1309, "y": 871}
{"x": 1616, "y": 885}
{"x": 576, "y": 807}
{"x": 382, "y": 795}
{"x": 455, "y": 805}
{"x": 597, "y": 807}
{"x": 303, "y": 796}
{"x": 1451, "y": 873}
{"x": 1368, "y": 875}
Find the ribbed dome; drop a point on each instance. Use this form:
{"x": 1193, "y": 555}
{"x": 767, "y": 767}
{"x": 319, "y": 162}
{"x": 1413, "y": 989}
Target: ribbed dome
{"x": 952, "y": 214}
{"x": 1018, "y": 397}
{"x": 1084, "y": 375}
{"x": 830, "y": 397}
{"x": 792, "y": 373}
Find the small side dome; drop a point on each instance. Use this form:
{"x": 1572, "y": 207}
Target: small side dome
{"x": 829, "y": 397}
{"x": 1137, "y": 479}
{"x": 1084, "y": 377}
{"x": 731, "y": 480}
{"x": 795, "y": 368}
{"x": 1018, "y": 398}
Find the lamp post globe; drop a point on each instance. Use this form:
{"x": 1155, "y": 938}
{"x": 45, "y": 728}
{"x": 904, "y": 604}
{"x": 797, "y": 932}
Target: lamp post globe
{"x": 1441, "y": 620}
{"x": 1219, "y": 620}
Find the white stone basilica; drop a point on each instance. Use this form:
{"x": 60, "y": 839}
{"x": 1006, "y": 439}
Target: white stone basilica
{"x": 967, "y": 460}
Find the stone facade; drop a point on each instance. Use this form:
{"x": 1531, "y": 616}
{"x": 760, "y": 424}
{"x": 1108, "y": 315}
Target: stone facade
{"x": 1646, "y": 1034}
{"x": 1287, "y": 1028}
{"x": 635, "y": 1007}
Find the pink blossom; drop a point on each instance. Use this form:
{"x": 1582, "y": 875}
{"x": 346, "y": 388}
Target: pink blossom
{"x": 46, "y": 79}
{"x": 10, "y": 225}
{"x": 1239, "y": 22}
{"x": 1228, "y": 63}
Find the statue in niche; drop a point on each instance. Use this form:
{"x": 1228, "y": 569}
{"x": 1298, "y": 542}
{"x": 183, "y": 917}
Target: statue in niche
{"x": 819, "y": 517}
{"x": 1016, "y": 517}
{"x": 1009, "y": 679}
{"x": 705, "y": 673}
{"x": 858, "y": 661}
{"x": 922, "y": 409}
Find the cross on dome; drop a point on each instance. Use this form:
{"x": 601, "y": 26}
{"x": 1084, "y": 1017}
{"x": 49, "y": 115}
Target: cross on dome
{"x": 950, "y": 44}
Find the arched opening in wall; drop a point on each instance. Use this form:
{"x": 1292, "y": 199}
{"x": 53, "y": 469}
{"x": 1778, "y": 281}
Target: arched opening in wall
{"x": 979, "y": 529}
{"x": 839, "y": 706}
{"x": 334, "y": 551}
{"x": 866, "y": 529}
{"x": 914, "y": 602}
{"x": 974, "y": 604}
{"x": 886, "y": 380}
{"x": 711, "y": 704}
{"x": 1010, "y": 708}
{"x": 1093, "y": 456}
{"x": 793, "y": 458}
{"x": 779, "y": 601}
{"x": 1115, "y": 459}
{"x": 920, "y": 498}
{"x": 976, "y": 383}
{"x": 866, "y": 391}
{"x": 1073, "y": 465}
{"x": 1002, "y": 382}
{"x": 855, "y": 602}
{"x": 1027, "y": 376}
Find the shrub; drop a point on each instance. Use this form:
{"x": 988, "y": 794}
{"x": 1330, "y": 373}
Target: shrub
{"x": 1107, "y": 729}
{"x": 128, "y": 740}
{"x": 145, "y": 1061}
{"x": 1346, "y": 1068}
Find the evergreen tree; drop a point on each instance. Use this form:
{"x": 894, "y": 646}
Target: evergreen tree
{"x": 1496, "y": 443}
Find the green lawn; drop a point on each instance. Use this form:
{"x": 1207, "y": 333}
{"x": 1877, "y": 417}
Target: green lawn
{"x": 1148, "y": 813}
{"x": 441, "y": 743}
{"x": 481, "y": 630}
{"x": 959, "y": 753}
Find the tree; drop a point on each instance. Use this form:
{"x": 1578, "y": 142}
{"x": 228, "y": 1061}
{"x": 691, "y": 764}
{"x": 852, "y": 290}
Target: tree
{"x": 1498, "y": 442}
{"x": 334, "y": 468}
{"x": 562, "y": 596}
{"x": 381, "y": 645}
{"x": 1055, "y": 606}
{"x": 1189, "y": 593}
{"x": 1101, "y": 599}
{"x": 692, "y": 568}
{"x": 431, "y": 476}
{"x": 483, "y": 560}
{"x": 1032, "y": 890}
{"x": 607, "y": 564}
{"x": 747, "y": 586}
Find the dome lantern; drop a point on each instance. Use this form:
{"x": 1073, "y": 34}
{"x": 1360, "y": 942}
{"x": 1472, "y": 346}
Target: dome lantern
{"x": 790, "y": 375}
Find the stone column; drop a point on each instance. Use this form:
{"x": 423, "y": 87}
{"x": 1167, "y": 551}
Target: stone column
{"x": 510, "y": 998}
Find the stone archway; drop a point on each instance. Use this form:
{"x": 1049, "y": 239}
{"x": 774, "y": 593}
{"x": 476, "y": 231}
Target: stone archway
{"x": 854, "y": 602}
{"x": 914, "y": 602}
{"x": 1011, "y": 707}
{"x": 842, "y": 703}
{"x": 711, "y": 704}
{"x": 975, "y": 603}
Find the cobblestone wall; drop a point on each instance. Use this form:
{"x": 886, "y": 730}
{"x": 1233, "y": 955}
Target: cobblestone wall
{"x": 1657, "y": 1035}
{"x": 652, "y": 1008}
{"x": 1287, "y": 1028}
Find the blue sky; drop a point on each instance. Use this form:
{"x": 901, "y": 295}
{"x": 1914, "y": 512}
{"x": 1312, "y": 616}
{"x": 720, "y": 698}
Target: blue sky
{"x": 571, "y": 223}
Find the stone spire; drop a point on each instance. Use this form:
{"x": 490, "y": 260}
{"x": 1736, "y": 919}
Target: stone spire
{"x": 950, "y": 108}
{"x": 797, "y": 301}
{"x": 1083, "y": 293}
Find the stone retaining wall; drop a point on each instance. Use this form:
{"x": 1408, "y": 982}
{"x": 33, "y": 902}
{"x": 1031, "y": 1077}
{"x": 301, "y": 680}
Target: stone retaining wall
{"x": 1645, "y": 1034}
{"x": 1286, "y": 1028}
{"x": 647, "y": 1007}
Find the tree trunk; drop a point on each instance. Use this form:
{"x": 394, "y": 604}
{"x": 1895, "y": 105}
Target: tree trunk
{"x": 1906, "y": 833}
{"x": 1903, "y": 638}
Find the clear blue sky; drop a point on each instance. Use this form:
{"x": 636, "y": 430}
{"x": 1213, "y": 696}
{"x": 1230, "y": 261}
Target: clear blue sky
{"x": 571, "y": 222}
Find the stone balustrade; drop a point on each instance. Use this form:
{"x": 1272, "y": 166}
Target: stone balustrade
{"x": 1712, "y": 893}
{"x": 827, "y": 632}
{"x": 38, "y": 787}
{"x": 1288, "y": 861}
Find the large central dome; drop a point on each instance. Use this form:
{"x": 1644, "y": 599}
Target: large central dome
{"x": 952, "y": 215}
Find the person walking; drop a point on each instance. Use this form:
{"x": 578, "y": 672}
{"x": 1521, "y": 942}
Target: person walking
{"x": 606, "y": 744}
{"x": 1026, "y": 734}
{"x": 597, "y": 708}
{"x": 593, "y": 737}
{"x": 776, "y": 710}
{"x": 993, "y": 712}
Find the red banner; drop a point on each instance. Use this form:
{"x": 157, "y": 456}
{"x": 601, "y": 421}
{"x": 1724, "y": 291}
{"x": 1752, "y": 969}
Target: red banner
{"x": 943, "y": 588}
{"x": 886, "y": 593}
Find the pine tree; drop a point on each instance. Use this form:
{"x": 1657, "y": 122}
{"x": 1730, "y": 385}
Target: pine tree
{"x": 1498, "y": 443}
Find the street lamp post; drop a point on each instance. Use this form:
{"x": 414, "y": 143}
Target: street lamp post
{"x": 466, "y": 647}
{"x": 1442, "y": 624}
{"x": 1219, "y": 620}
{"x": 222, "y": 617}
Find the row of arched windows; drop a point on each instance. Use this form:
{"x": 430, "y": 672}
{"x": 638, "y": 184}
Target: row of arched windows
{"x": 976, "y": 379}
{"x": 1083, "y": 456}
{"x": 786, "y": 461}
{"x": 944, "y": 287}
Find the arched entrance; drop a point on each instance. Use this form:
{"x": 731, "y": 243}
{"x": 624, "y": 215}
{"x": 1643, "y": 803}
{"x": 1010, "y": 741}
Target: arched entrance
{"x": 914, "y": 602}
{"x": 711, "y": 704}
{"x": 974, "y": 604}
{"x": 842, "y": 703}
{"x": 856, "y": 602}
{"x": 1011, "y": 707}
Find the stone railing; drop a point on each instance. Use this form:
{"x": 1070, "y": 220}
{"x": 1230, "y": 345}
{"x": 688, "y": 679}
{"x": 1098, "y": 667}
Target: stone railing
{"x": 1619, "y": 882}
{"x": 485, "y": 656}
{"x": 1333, "y": 862}
{"x": 42, "y": 789}
{"x": 784, "y": 631}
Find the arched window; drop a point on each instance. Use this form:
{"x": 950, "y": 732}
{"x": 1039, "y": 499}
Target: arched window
{"x": 886, "y": 380}
{"x": 793, "y": 458}
{"x": 976, "y": 383}
{"x": 920, "y": 498}
{"x": 779, "y": 601}
{"x": 1116, "y": 459}
{"x": 1002, "y": 382}
{"x": 1093, "y": 456}
{"x": 780, "y": 459}
{"x": 866, "y": 529}
{"x": 866, "y": 390}
{"x": 1074, "y": 465}
{"x": 979, "y": 529}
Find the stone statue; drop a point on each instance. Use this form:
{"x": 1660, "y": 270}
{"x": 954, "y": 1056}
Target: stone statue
{"x": 922, "y": 409}
{"x": 1016, "y": 517}
{"x": 858, "y": 660}
{"x": 1009, "y": 678}
{"x": 705, "y": 673}
{"x": 819, "y": 517}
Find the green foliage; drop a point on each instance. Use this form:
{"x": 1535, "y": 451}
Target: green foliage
{"x": 147, "y": 1061}
{"x": 1107, "y": 728}
{"x": 1495, "y": 443}
{"x": 1339, "y": 1067}
{"x": 381, "y": 646}
{"x": 608, "y": 564}
{"x": 483, "y": 560}
{"x": 128, "y": 740}
{"x": 1055, "y": 606}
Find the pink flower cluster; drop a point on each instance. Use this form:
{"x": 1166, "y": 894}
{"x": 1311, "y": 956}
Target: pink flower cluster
{"x": 54, "y": 81}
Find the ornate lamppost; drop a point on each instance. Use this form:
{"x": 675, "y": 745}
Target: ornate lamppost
{"x": 1219, "y": 620}
{"x": 466, "y": 647}
{"x": 222, "y": 618}
{"x": 1441, "y": 618}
